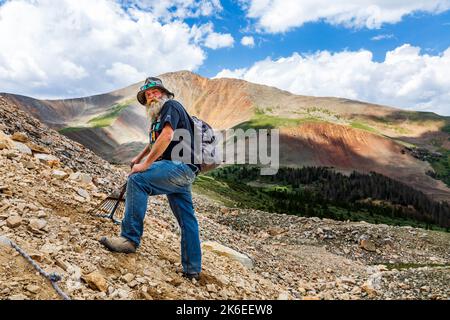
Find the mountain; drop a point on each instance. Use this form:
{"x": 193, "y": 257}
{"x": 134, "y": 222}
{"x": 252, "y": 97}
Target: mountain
{"x": 49, "y": 185}
{"x": 315, "y": 131}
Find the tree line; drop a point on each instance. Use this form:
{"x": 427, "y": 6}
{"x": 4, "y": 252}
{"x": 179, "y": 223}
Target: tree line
{"x": 313, "y": 189}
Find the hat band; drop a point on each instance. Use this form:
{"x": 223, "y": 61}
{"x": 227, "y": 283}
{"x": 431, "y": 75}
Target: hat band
{"x": 149, "y": 85}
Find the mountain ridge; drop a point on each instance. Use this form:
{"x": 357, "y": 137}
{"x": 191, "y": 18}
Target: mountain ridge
{"x": 228, "y": 103}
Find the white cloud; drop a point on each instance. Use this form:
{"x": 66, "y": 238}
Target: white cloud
{"x": 248, "y": 41}
{"x": 205, "y": 35}
{"x": 124, "y": 72}
{"x": 382, "y": 37}
{"x": 167, "y": 10}
{"x": 218, "y": 40}
{"x": 281, "y": 15}
{"x": 84, "y": 47}
{"x": 406, "y": 78}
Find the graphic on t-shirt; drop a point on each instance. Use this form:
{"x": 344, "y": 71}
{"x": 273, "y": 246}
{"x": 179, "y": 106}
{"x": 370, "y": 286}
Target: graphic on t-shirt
{"x": 155, "y": 130}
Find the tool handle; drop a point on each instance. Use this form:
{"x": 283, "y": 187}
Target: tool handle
{"x": 122, "y": 192}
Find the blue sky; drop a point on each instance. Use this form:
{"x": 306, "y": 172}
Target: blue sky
{"x": 394, "y": 53}
{"x": 430, "y": 32}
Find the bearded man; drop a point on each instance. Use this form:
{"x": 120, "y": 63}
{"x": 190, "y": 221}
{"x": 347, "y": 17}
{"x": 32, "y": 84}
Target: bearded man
{"x": 157, "y": 171}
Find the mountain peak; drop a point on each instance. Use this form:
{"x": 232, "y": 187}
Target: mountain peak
{"x": 231, "y": 103}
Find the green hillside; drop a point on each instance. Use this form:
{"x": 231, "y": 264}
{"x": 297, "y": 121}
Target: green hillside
{"x": 322, "y": 193}
{"x": 105, "y": 119}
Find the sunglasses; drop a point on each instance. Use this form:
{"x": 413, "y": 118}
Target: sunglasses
{"x": 149, "y": 85}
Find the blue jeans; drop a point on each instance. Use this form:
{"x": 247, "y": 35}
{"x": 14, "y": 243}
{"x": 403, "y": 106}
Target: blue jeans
{"x": 174, "y": 179}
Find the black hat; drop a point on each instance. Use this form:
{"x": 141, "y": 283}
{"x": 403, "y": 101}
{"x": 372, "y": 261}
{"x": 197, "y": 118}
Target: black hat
{"x": 151, "y": 83}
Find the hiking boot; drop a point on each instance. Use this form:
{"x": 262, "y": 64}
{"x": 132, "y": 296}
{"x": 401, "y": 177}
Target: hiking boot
{"x": 191, "y": 276}
{"x": 118, "y": 244}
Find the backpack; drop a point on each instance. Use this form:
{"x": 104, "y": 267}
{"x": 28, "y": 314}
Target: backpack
{"x": 209, "y": 149}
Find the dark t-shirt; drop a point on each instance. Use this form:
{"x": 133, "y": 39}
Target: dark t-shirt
{"x": 174, "y": 113}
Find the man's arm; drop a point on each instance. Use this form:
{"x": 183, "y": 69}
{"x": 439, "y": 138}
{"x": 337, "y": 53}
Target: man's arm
{"x": 141, "y": 155}
{"x": 161, "y": 144}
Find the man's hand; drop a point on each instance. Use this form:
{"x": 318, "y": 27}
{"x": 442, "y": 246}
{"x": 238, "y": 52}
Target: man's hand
{"x": 135, "y": 161}
{"x": 140, "y": 156}
{"x": 140, "y": 167}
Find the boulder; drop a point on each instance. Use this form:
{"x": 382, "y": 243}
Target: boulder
{"x": 367, "y": 245}
{"x": 48, "y": 159}
{"x": 18, "y": 297}
{"x": 222, "y": 250}
{"x": 14, "y": 221}
{"x": 121, "y": 294}
{"x": 59, "y": 174}
{"x": 128, "y": 277}
{"x": 5, "y": 141}
{"x": 211, "y": 288}
{"x": 83, "y": 193}
{"x": 79, "y": 199}
{"x": 4, "y": 241}
{"x": 369, "y": 289}
{"x": 41, "y": 214}
{"x": 19, "y": 136}
{"x": 81, "y": 177}
{"x": 32, "y": 288}
{"x": 96, "y": 281}
{"x": 62, "y": 264}
{"x": 38, "y": 224}
{"x": 283, "y": 296}
{"x": 50, "y": 248}
{"x": 37, "y": 148}
{"x": 275, "y": 231}
{"x": 347, "y": 280}
{"x": 22, "y": 148}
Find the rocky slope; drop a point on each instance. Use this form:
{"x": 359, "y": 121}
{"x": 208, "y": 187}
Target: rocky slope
{"x": 49, "y": 184}
{"x": 347, "y": 149}
{"x": 44, "y": 208}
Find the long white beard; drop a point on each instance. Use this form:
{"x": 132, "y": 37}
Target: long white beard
{"x": 154, "y": 108}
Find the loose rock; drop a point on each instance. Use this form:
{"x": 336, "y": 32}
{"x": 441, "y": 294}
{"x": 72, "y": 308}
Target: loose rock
{"x": 367, "y": 245}
{"x": 228, "y": 252}
{"x": 14, "y": 221}
{"x": 96, "y": 281}
{"x": 19, "y": 136}
{"x": 22, "y": 148}
{"x": 32, "y": 288}
{"x": 38, "y": 224}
